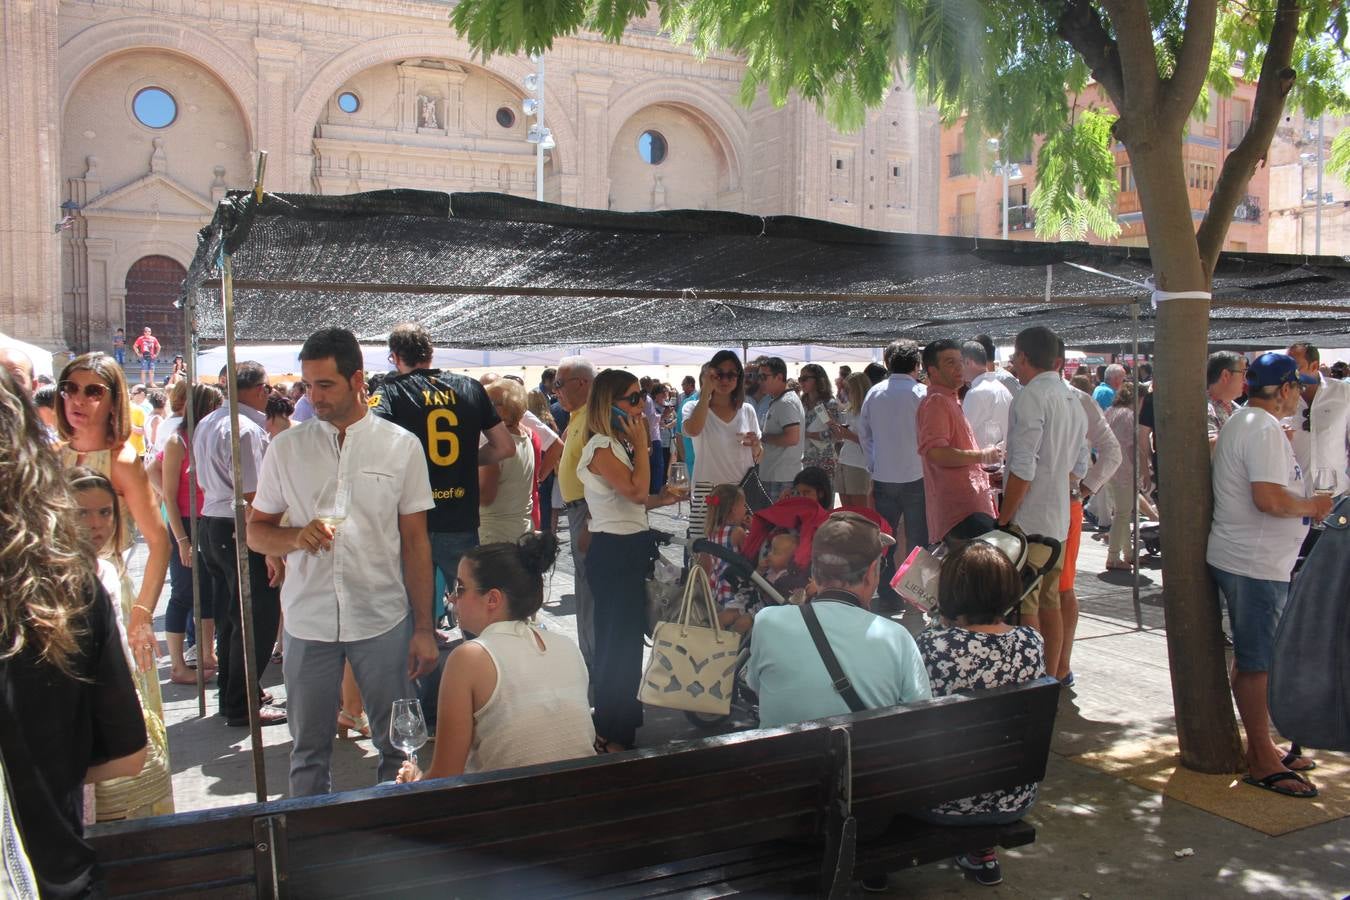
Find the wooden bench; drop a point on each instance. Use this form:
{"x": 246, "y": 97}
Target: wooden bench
{"x": 761, "y": 811}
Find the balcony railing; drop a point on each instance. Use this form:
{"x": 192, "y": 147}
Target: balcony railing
{"x": 962, "y": 224}
{"x": 1020, "y": 218}
{"x": 1249, "y": 210}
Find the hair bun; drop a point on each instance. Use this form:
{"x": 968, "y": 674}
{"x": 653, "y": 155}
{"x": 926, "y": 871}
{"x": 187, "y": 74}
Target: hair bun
{"x": 538, "y": 551}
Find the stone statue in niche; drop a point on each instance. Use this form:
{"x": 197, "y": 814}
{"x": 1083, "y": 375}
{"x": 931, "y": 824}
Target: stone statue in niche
{"x": 658, "y": 193}
{"x": 426, "y": 113}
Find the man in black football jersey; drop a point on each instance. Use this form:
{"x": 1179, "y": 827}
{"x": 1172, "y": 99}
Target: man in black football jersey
{"x": 447, "y": 412}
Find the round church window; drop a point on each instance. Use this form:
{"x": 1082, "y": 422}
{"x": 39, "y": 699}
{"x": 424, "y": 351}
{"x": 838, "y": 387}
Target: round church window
{"x": 348, "y": 102}
{"x": 154, "y": 107}
{"x": 652, "y": 147}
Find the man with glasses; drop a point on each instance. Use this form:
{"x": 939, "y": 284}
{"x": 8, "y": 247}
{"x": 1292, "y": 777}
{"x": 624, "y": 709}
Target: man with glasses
{"x": 212, "y": 457}
{"x": 783, "y": 429}
{"x": 1224, "y": 375}
{"x": 1321, "y": 424}
{"x": 448, "y": 413}
{"x": 573, "y": 387}
{"x": 878, "y": 655}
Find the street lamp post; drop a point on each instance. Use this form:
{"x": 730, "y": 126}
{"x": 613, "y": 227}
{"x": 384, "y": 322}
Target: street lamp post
{"x": 538, "y": 134}
{"x": 1006, "y": 170}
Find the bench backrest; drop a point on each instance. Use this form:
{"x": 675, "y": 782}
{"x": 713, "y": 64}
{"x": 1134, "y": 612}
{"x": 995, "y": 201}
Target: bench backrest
{"x": 533, "y": 830}
{"x": 546, "y": 830}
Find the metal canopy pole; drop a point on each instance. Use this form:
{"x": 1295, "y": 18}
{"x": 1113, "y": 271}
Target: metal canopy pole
{"x": 190, "y": 427}
{"x": 240, "y": 524}
{"x": 1134, "y": 467}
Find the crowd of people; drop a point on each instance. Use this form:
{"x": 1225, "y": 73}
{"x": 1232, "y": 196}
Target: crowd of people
{"x": 378, "y": 505}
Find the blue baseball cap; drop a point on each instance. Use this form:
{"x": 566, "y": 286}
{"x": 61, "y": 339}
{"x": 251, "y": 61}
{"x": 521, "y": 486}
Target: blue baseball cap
{"x": 1274, "y": 369}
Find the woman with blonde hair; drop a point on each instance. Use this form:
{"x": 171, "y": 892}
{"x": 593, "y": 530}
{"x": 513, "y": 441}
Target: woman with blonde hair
{"x": 851, "y": 476}
{"x": 615, "y": 469}
{"x": 93, "y": 416}
{"x": 68, "y": 708}
{"x": 506, "y": 488}
{"x": 150, "y": 791}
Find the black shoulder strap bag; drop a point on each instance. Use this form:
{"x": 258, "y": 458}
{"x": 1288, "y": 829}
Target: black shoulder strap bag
{"x": 840, "y": 681}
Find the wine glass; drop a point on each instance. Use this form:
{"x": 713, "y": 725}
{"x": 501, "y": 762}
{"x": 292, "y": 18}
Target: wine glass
{"x": 407, "y": 727}
{"x": 1324, "y": 482}
{"x": 333, "y": 502}
{"x": 678, "y": 479}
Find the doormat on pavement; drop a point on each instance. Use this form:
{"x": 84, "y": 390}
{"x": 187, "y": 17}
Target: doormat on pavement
{"x": 1155, "y": 765}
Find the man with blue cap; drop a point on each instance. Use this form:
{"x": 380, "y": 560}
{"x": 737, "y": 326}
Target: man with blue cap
{"x": 1262, "y": 508}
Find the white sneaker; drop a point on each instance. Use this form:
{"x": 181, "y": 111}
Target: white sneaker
{"x": 190, "y": 656}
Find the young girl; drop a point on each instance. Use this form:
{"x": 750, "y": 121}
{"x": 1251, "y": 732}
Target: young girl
{"x": 149, "y": 793}
{"x": 725, "y": 524}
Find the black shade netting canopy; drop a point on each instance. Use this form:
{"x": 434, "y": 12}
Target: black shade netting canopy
{"x": 494, "y": 271}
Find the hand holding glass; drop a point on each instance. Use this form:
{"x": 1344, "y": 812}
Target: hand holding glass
{"x": 991, "y": 435}
{"x": 333, "y": 502}
{"x": 1324, "y": 482}
{"x": 407, "y": 728}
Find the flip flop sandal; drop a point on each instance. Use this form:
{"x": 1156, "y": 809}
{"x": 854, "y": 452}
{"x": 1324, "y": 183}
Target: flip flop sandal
{"x": 1291, "y": 758}
{"x": 1272, "y": 783}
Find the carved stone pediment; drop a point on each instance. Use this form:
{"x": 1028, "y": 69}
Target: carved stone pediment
{"x": 156, "y": 193}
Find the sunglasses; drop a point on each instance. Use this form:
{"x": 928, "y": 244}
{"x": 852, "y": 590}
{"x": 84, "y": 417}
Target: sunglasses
{"x": 632, "y": 399}
{"x": 91, "y": 391}
{"x": 1307, "y": 419}
{"x": 726, "y": 376}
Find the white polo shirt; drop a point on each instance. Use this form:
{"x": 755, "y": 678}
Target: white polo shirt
{"x": 1046, "y": 430}
{"x": 354, "y": 591}
{"x": 987, "y": 401}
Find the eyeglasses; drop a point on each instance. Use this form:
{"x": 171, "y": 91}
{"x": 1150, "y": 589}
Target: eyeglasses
{"x": 726, "y": 375}
{"x": 91, "y": 391}
{"x": 632, "y": 399}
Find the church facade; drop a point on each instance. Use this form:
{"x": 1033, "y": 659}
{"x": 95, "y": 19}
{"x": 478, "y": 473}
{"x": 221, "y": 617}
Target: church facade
{"x": 127, "y": 120}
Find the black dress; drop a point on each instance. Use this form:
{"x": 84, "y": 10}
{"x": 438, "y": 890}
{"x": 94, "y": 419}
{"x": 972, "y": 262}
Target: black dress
{"x": 53, "y": 728}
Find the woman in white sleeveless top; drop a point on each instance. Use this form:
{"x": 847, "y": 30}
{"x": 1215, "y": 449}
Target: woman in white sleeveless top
{"x": 516, "y": 694}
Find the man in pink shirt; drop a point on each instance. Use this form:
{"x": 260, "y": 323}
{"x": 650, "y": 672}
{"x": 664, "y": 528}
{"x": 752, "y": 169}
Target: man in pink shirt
{"x": 955, "y": 485}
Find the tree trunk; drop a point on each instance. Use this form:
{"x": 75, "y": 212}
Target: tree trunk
{"x": 1206, "y": 727}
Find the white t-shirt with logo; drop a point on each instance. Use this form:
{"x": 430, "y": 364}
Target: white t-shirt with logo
{"x": 1243, "y": 540}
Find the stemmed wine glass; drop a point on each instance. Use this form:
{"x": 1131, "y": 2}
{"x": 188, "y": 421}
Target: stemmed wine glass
{"x": 333, "y": 502}
{"x": 1324, "y": 485}
{"x": 407, "y": 728}
{"x": 678, "y": 479}
{"x": 991, "y": 435}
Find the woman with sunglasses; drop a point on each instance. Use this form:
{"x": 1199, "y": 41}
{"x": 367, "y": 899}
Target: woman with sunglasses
{"x": 724, "y": 430}
{"x": 822, "y": 410}
{"x": 515, "y": 695}
{"x": 93, "y": 417}
{"x": 615, "y": 469}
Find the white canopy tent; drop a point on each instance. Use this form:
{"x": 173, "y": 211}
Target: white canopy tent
{"x": 42, "y": 359}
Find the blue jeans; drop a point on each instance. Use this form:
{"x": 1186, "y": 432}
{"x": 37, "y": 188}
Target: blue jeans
{"x": 120, "y": 354}
{"x": 447, "y": 547}
{"x": 895, "y": 501}
{"x": 1254, "y": 608}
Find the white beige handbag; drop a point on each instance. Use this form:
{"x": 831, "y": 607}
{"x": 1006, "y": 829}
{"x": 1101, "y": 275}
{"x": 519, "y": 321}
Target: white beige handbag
{"x": 692, "y": 666}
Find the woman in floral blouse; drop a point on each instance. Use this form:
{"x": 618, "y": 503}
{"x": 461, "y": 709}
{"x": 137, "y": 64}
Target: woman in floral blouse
{"x": 974, "y": 649}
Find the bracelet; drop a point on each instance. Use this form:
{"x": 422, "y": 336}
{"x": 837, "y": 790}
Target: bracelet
{"x": 181, "y": 539}
{"x": 135, "y": 607}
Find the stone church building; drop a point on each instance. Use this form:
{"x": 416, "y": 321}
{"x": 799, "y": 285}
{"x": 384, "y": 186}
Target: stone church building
{"x": 125, "y": 121}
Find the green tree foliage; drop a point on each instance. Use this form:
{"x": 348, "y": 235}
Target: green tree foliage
{"x": 1339, "y": 159}
{"x": 1003, "y": 64}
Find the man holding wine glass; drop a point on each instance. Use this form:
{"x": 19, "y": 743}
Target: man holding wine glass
{"x": 358, "y": 591}
{"x": 955, "y": 481}
{"x": 1319, "y": 428}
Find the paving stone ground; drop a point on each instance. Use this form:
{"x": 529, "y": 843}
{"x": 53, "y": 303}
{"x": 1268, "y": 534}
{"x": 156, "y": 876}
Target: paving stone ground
{"x": 1099, "y": 837}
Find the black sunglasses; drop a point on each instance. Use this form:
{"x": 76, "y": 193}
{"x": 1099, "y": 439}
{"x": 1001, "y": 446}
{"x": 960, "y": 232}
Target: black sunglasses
{"x": 632, "y": 399}
{"x": 1307, "y": 419}
{"x": 726, "y": 376}
{"x": 91, "y": 391}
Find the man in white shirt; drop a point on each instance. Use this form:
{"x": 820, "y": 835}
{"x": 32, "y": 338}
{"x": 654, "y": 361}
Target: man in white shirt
{"x": 211, "y": 450}
{"x": 889, "y": 437}
{"x": 1046, "y": 430}
{"x": 1261, "y": 512}
{"x": 784, "y": 431}
{"x": 1321, "y": 423}
{"x": 1005, "y": 378}
{"x": 303, "y": 409}
{"x": 987, "y": 401}
{"x": 360, "y": 591}
{"x": 1085, "y": 483}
